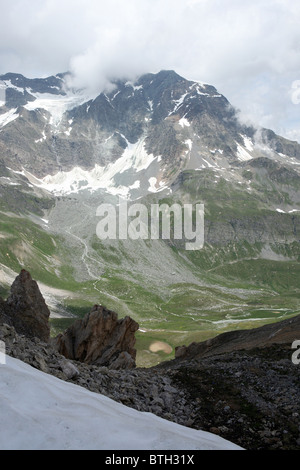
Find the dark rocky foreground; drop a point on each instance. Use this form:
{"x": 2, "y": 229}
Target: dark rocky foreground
{"x": 99, "y": 338}
{"x": 242, "y": 386}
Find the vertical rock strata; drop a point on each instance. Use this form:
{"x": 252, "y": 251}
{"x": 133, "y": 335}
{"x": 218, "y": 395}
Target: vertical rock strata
{"x": 100, "y": 338}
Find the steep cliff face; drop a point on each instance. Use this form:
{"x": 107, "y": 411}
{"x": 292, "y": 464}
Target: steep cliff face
{"x": 26, "y": 309}
{"x": 100, "y": 338}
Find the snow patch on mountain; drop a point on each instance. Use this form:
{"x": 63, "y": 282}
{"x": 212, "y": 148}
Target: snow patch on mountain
{"x": 64, "y": 416}
{"x": 9, "y": 84}
{"x": 178, "y": 103}
{"x": 135, "y": 156}
{"x": 248, "y": 143}
{"x": 242, "y": 153}
{"x": 8, "y": 117}
{"x": 44, "y": 137}
{"x": 189, "y": 143}
{"x": 56, "y": 105}
{"x": 134, "y": 159}
{"x": 152, "y": 184}
{"x": 183, "y": 122}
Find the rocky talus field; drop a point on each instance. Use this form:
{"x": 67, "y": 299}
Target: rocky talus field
{"x": 242, "y": 385}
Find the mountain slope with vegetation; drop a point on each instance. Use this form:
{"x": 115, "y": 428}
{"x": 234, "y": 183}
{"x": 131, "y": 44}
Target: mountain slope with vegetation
{"x": 161, "y": 139}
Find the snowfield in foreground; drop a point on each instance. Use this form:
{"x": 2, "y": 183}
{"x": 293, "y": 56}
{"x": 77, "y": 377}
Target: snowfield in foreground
{"x": 39, "y": 411}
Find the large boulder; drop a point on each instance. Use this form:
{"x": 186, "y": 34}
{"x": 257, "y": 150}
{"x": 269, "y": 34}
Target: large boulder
{"x": 101, "y": 339}
{"x": 26, "y": 308}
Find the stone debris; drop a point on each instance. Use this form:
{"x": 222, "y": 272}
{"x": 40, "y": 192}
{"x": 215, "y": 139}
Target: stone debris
{"x": 251, "y": 398}
{"x": 242, "y": 386}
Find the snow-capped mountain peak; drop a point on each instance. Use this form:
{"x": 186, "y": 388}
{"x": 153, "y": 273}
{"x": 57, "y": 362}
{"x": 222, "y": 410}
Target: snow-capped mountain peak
{"x": 130, "y": 140}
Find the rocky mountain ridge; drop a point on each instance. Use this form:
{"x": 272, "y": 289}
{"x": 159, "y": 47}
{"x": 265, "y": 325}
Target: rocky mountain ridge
{"x": 123, "y": 137}
{"x": 282, "y": 333}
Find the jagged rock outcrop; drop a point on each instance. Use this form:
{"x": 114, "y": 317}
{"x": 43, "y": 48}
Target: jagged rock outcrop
{"x": 101, "y": 339}
{"x": 26, "y": 308}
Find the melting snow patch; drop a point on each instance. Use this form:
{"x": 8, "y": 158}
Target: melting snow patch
{"x": 116, "y": 94}
{"x": 68, "y": 132}
{"x": 152, "y": 187}
{"x": 8, "y": 117}
{"x": 242, "y": 153}
{"x": 65, "y": 416}
{"x": 8, "y": 84}
{"x": 150, "y": 103}
{"x": 198, "y": 86}
{"x": 135, "y": 185}
{"x": 178, "y": 103}
{"x": 129, "y": 83}
{"x": 183, "y": 122}
{"x": 248, "y": 143}
{"x": 288, "y": 212}
{"x": 208, "y": 164}
{"x": 189, "y": 143}
{"x": 8, "y": 181}
{"x": 56, "y": 105}
{"x": 42, "y": 138}
{"x": 134, "y": 158}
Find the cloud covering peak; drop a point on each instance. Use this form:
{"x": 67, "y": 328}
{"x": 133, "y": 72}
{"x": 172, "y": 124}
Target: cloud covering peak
{"x": 248, "y": 49}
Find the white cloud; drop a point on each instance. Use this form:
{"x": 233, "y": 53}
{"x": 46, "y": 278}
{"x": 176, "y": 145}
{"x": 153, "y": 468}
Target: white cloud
{"x": 248, "y": 49}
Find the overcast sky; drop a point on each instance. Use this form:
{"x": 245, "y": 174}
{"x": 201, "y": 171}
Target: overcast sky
{"x": 248, "y": 49}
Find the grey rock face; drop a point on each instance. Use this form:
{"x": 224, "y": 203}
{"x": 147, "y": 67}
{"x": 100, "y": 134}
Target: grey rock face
{"x": 27, "y": 309}
{"x": 100, "y": 338}
{"x": 96, "y": 131}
